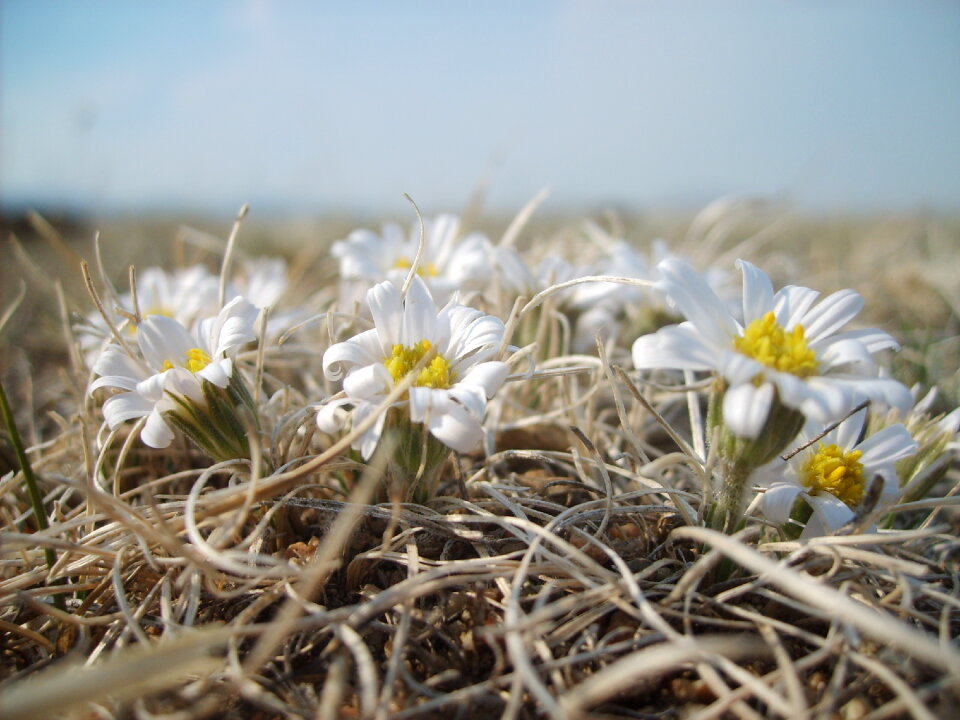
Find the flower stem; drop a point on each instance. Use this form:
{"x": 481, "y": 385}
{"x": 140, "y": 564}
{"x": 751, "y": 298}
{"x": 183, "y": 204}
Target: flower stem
{"x": 417, "y": 458}
{"x": 36, "y": 499}
{"x": 728, "y": 510}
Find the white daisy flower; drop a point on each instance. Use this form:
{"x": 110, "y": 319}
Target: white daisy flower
{"x": 449, "y": 395}
{"x": 185, "y": 295}
{"x": 833, "y": 474}
{"x": 937, "y": 437}
{"x": 449, "y": 262}
{"x": 173, "y": 365}
{"x": 517, "y": 277}
{"x": 262, "y": 281}
{"x": 604, "y": 308}
{"x": 786, "y": 349}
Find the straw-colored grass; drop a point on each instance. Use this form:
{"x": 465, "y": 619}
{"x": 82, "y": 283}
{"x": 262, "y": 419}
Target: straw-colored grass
{"x": 562, "y": 571}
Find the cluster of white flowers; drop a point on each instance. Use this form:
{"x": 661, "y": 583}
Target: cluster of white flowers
{"x": 449, "y": 394}
{"x": 833, "y": 472}
{"x": 784, "y": 346}
{"x": 449, "y": 263}
{"x": 787, "y": 371}
{"x": 171, "y": 368}
{"x": 186, "y": 295}
{"x": 782, "y": 360}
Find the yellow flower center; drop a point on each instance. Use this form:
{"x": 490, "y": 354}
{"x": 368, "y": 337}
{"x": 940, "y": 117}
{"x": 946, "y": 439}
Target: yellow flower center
{"x": 837, "y": 472}
{"x": 769, "y": 344}
{"x": 196, "y": 361}
{"x": 402, "y": 360}
{"x": 428, "y": 269}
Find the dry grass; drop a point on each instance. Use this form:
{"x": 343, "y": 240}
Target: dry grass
{"x": 562, "y": 572}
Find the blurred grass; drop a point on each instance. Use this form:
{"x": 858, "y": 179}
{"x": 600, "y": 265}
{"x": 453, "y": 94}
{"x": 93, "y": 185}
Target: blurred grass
{"x": 905, "y": 266}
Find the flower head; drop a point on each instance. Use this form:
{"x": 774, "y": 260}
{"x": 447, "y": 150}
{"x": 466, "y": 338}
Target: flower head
{"x": 937, "y": 438}
{"x": 262, "y": 281}
{"x": 449, "y": 262}
{"x": 785, "y": 348}
{"x": 185, "y": 295}
{"x": 172, "y": 368}
{"x": 610, "y": 309}
{"x": 833, "y": 474}
{"x": 451, "y": 389}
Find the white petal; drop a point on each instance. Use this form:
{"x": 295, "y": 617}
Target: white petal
{"x": 456, "y": 428}
{"x": 426, "y": 402}
{"x": 218, "y": 372}
{"x": 488, "y": 376}
{"x": 924, "y": 404}
{"x": 419, "y": 314}
{"x": 791, "y": 390}
{"x": 873, "y": 340}
{"x": 234, "y": 326}
{"x": 156, "y": 433}
{"x": 598, "y": 321}
{"x": 829, "y": 514}
{"x": 778, "y": 501}
{"x": 887, "y": 446}
{"x": 152, "y": 388}
{"x": 184, "y": 383}
{"x": 471, "y": 334}
{"x": 367, "y": 442}
{"x": 368, "y": 382}
{"x": 470, "y": 267}
{"x": 757, "y": 292}
{"x": 697, "y": 301}
{"x": 827, "y": 401}
{"x": 791, "y": 304}
{"x": 358, "y": 255}
{"x": 831, "y": 313}
{"x": 950, "y": 423}
{"x": 125, "y": 406}
{"x": 442, "y": 234}
{"x": 737, "y": 368}
{"x": 266, "y": 281}
{"x": 848, "y": 433}
{"x": 891, "y": 491}
{"x": 124, "y": 382}
{"x": 880, "y": 390}
{"x": 675, "y": 346}
{"x": 386, "y": 308}
{"x": 513, "y": 273}
{"x": 746, "y": 407}
{"x": 472, "y": 398}
{"x": 331, "y": 417}
{"x": 835, "y": 353}
{"x": 162, "y": 340}
{"x": 362, "y": 349}
{"x": 121, "y": 370}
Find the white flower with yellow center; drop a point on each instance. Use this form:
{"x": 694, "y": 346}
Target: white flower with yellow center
{"x": 786, "y": 349}
{"x": 449, "y": 262}
{"x": 833, "y": 474}
{"x": 449, "y": 395}
{"x": 171, "y": 367}
{"x": 185, "y": 295}
{"x": 264, "y": 282}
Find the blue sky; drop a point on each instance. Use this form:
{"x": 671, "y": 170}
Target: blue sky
{"x": 311, "y": 107}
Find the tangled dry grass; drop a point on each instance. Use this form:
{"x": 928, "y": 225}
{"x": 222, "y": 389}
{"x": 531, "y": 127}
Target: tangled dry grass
{"x": 564, "y": 572}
